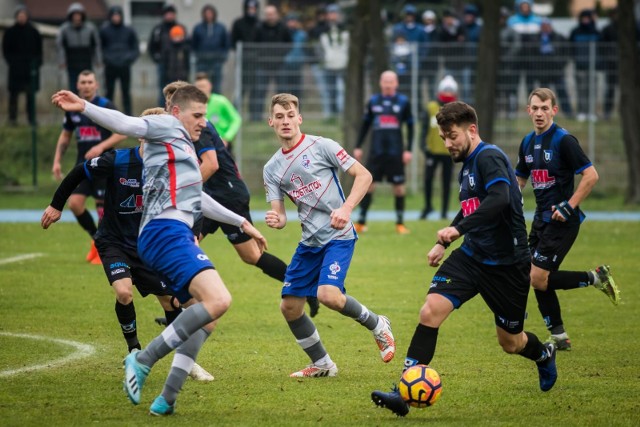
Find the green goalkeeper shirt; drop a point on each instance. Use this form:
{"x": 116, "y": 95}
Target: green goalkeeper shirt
{"x": 224, "y": 116}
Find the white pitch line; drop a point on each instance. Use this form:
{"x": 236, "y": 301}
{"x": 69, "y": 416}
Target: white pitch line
{"x": 18, "y": 258}
{"x": 82, "y": 350}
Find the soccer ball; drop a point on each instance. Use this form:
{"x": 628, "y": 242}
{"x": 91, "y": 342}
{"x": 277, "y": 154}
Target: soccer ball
{"x": 420, "y": 386}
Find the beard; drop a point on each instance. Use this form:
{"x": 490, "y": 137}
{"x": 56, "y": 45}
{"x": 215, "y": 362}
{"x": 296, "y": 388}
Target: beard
{"x": 459, "y": 156}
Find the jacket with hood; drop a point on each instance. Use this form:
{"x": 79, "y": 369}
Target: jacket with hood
{"x": 22, "y": 48}
{"x": 210, "y": 40}
{"x": 581, "y": 36}
{"x": 119, "y": 42}
{"x": 78, "y": 47}
{"x": 245, "y": 29}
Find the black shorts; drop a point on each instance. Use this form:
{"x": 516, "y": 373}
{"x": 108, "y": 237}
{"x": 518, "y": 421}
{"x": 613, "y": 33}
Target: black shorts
{"x": 233, "y": 233}
{"x": 550, "y": 242}
{"x": 121, "y": 263}
{"x": 93, "y": 188}
{"x": 503, "y": 287}
{"x": 387, "y": 166}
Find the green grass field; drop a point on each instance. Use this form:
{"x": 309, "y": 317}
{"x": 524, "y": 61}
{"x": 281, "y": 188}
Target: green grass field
{"x": 60, "y": 296}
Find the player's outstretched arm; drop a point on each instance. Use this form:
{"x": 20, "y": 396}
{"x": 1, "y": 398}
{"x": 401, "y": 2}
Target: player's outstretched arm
{"x": 69, "y": 183}
{"x": 250, "y": 230}
{"x": 113, "y": 120}
{"x": 68, "y": 101}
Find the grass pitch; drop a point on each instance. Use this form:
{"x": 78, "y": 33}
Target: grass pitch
{"x": 252, "y": 352}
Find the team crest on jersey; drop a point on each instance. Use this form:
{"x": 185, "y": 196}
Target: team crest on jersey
{"x": 335, "y": 269}
{"x": 548, "y": 155}
{"x": 94, "y": 162}
{"x": 305, "y": 161}
{"x": 472, "y": 181}
{"x": 396, "y": 108}
{"x": 528, "y": 158}
{"x": 131, "y": 182}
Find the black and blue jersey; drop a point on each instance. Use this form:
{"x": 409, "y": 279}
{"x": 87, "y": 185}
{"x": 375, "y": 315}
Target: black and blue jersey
{"x": 551, "y": 159}
{"x": 386, "y": 114}
{"x": 88, "y": 133}
{"x": 122, "y": 171}
{"x": 502, "y": 239}
{"x": 226, "y": 183}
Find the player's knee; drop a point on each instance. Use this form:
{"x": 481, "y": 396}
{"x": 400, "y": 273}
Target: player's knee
{"x": 509, "y": 346}
{"x": 76, "y": 206}
{"x": 539, "y": 279}
{"x": 331, "y": 297}
{"x": 124, "y": 297}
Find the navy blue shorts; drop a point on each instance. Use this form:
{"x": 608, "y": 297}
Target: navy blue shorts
{"x": 387, "y": 166}
{"x": 318, "y": 265}
{"x": 504, "y": 288}
{"x": 550, "y": 242}
{"x": 120, "y": 262}
{"x": 168, "y": 247}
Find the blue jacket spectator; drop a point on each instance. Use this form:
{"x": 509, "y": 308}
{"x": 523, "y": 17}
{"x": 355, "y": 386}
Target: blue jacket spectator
{"x": 210, "y": 43}
{"x": 120, "y": 50}
{"x": 409, "y": 28}
{"x": 581, "y": 36}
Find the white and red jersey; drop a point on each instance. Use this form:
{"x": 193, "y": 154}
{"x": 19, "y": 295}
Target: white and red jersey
{"x": 308, "y": 175}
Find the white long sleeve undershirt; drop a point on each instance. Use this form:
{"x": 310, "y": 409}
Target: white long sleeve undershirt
{"x": 215, "y": 211}
{"x": 115, "y": 121}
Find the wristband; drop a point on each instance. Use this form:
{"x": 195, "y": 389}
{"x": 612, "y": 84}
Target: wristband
{"x": 565, "y": 209}
{"x": 443, "y": 244}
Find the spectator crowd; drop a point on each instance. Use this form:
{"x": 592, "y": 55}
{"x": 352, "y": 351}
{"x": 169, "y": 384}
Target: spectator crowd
{"x": 281, "y": 50}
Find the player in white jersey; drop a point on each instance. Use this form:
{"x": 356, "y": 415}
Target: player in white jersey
{"x": 173, "y": 200}
{"x": 306, "y": 170}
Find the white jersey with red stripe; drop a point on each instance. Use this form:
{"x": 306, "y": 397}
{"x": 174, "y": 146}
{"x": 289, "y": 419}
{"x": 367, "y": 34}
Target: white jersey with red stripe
{"x": 308, "y": 175}
{"x": 171, "y": 173}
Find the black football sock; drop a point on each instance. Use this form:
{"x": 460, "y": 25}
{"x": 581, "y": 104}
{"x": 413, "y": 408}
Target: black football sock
{"x": 549, "y": 307}
{"x": 534, "y": 349}
{"x": 399, "y": 205}
{"x": 568, "y": 280}
{"x": 364, "y": 207}
{"x": 127, "y": 318}
{"x": 86, "y": 221}
{"x": 172, "y": 315}
{"x": 272, "y": 266}
{"x": 422, "y": 347}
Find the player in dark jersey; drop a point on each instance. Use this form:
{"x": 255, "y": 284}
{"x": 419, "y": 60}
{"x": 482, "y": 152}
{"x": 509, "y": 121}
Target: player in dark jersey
{"x": 551, "y": 156}
{"x": 222, "y": 181}
{"x": 92, "y": 141}
{"x": 117, "y": 236}
{"x": 386, "y": 112}
{"x": 492, "y": 261}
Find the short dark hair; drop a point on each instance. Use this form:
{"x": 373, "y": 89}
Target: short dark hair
{"x": 85, "y": 73}
{"x": 186, "y": 95}
{"x": 456, "y": 113}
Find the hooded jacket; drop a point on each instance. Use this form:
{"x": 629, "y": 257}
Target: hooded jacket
{"x": 22, "y": 48}
{"x": 245, "y": 29}
{"x": 78, "y": 47}
{"x": 581, "y": 36}
{"x": 119, "y": 42}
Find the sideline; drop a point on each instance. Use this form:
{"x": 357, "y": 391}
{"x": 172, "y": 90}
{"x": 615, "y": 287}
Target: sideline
{"x": 81, "y": 351}
{"x": 20, "y": 258}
